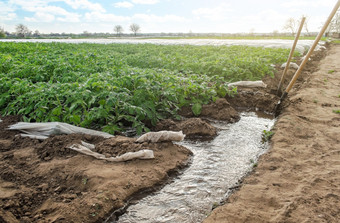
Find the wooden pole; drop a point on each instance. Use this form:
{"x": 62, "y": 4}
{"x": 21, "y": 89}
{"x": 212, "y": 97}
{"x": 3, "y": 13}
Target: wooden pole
{"x": 291, "y": 54}
{"x": 303, "y": 63}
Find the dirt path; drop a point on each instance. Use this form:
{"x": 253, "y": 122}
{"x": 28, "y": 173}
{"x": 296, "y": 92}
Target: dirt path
{"x": 298, "y": 180}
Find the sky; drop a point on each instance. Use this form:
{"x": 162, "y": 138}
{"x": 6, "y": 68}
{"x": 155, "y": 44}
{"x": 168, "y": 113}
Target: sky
{"x": 156, "y": 16}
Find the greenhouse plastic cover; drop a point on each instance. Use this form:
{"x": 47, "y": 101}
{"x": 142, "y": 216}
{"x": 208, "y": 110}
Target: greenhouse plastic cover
{"x": 45, "y": 129}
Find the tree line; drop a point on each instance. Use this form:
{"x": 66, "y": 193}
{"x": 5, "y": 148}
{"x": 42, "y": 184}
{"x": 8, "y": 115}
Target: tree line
{"x": 23, "y": 31}
{"x": 135, "y": 28}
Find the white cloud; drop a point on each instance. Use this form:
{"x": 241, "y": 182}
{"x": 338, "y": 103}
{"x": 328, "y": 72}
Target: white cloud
{"x": 158, "y": 19}
{"x": 304, "y": 3}
{"x": 104, "y": 17}
{"x": 123, "y": 5}
{"x": 263, "y": 21}
{"x": 51, "y": 13}
{"x": 7, "y": 12}
{"x": 145, "y": 2}
{"x": 41, "y": 17}
{"x": 214, "y": 14}
{"x": 85, "y": 4}
{"x": 75, "y": 4}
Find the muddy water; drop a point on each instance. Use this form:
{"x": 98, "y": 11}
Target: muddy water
{"x": 217, "y": 166}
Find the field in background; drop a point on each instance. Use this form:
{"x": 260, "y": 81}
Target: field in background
{"x": 113, "y": 86}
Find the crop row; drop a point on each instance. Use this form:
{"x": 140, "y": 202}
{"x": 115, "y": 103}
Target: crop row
{"x": 113, "y": 86}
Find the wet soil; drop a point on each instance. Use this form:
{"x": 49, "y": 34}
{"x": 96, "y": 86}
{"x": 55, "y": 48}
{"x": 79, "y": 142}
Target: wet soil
{"x": 298, "y": 179}
{"x": 220, "y": 110}
{"x": 192, "y": 128}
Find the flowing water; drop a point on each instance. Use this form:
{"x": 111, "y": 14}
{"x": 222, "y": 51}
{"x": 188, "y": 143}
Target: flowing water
{"x": 217, "y": 166}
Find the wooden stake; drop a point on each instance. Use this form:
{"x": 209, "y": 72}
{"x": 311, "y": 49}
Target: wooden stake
{"x": 291, "y": 54}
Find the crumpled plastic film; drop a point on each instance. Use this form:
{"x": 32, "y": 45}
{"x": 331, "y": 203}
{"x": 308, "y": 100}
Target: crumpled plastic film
{"x": 161, "y": 136}
{"x": 291, "y": 65}
{"x": 34, "y": 136}
{"x": 54, "y": 128}
{"x": 85, "y": 149}
{"x": 248, "y": 84}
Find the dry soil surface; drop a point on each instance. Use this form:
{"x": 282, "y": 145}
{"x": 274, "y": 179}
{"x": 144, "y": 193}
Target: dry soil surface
{"x": 298, "y": 180}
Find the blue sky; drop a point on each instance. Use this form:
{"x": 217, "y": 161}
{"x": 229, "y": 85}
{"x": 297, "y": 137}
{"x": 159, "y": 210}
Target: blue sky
{"x": 227, "y": 16}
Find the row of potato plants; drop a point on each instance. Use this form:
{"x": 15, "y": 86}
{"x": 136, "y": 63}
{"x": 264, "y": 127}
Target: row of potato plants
{"x": 111, "y": 87}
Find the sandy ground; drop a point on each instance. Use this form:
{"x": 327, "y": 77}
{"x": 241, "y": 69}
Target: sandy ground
{"x": 298, "y": 180}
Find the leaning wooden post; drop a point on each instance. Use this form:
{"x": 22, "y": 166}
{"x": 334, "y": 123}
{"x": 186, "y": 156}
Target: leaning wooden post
{"x": 291, "y": 54}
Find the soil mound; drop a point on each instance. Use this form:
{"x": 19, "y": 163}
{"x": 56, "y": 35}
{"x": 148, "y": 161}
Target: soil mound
{"x": 221, "y": 109}
{"x": 44, "y": 181}
{"x": 119, "y": 145}
{"x": 192, "y": 127}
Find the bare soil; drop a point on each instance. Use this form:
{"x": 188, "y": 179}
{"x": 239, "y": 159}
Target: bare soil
{"x": 298, "y": 179}
{"x": 47, "y": 182}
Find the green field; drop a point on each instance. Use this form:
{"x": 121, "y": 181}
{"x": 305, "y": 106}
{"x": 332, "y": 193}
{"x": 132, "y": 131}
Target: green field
{"x": 110, "y": 87}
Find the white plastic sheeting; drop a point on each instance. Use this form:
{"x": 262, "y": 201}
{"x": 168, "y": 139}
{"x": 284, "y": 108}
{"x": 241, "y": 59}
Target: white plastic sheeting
{"x": 85, "y": 148}
{"x": 53, "y": 128}
{"x": 248, "y": 84}
{"x": 33, "y": 136}
{"x": 161, "y": 136}
{"x": 302, "y": 46}
{"x": 291, "y": 65}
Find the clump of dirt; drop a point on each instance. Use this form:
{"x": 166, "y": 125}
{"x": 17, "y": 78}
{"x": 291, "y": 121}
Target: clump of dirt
{"x": 192, "y": 127}
{"x": 221, "y": 109}
{"x": 248, "y": 99}
{"x": 58, "y": 145}
{"x": 119, "y": 145}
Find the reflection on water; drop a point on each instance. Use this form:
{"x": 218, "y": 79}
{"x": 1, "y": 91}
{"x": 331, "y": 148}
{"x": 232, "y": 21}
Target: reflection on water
{"x": 217, "y": 166}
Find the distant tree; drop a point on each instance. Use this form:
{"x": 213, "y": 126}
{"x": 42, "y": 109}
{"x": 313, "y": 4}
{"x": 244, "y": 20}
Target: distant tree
{"x": 2, "y": 33}
{"x": 135, "y": 28}
{"x": 86, "y": 33}
{"x": 36, "y": 33}
{"x": 118, "y": 29}
{"x": 251, "y": 32}
{"x": 334, "y": 26}
{"x": 290, "y": 25}
{"x": 22, "y": 30}
{"x": 275, "y": 33}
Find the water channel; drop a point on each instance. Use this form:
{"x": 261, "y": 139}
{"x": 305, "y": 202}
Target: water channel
{"x": 217, "y": 166}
